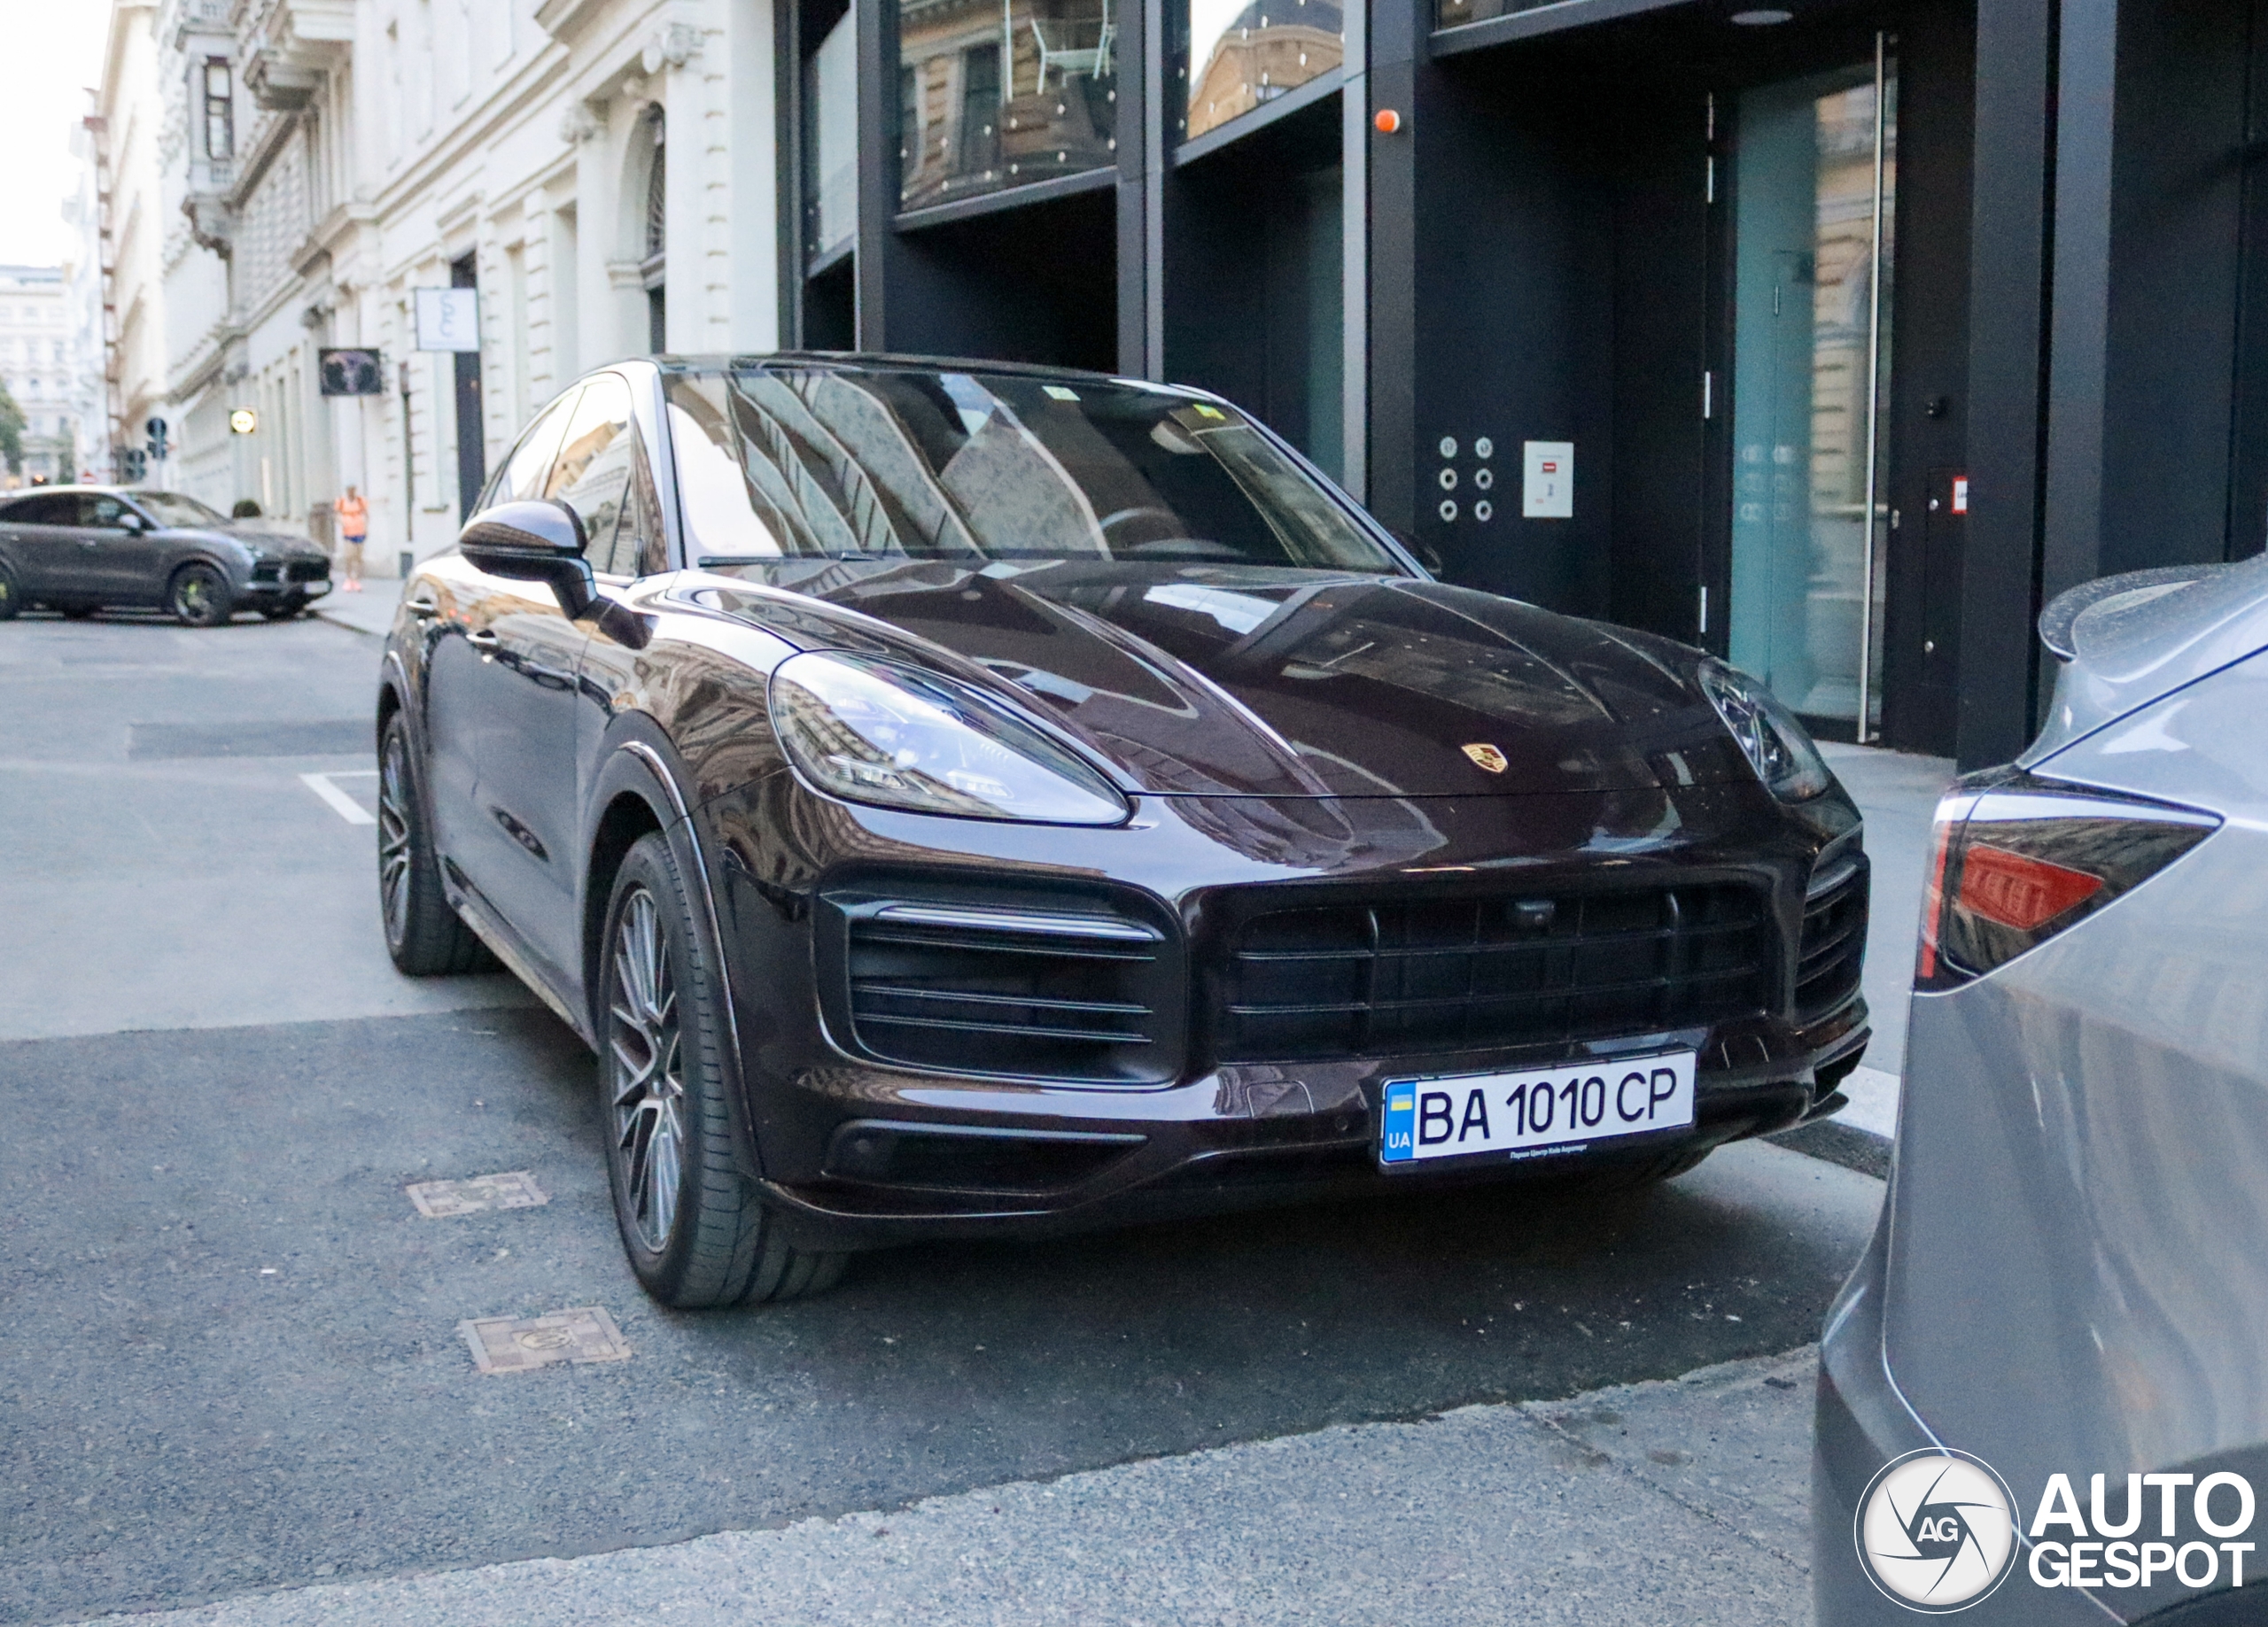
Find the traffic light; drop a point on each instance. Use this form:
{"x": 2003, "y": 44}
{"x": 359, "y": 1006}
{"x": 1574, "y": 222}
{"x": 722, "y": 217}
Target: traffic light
{"x": 155, "y": 446}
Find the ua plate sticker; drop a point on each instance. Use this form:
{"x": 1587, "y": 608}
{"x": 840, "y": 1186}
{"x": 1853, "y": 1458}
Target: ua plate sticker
{"x": 1575, "y": 1105}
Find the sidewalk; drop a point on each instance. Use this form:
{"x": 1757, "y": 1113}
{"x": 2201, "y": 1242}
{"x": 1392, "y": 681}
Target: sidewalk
{"x": 1682, "y": 1501}
{"x": 370, "y": 611}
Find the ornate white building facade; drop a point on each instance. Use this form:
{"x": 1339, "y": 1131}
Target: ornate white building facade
{"x": 601, "y": 172}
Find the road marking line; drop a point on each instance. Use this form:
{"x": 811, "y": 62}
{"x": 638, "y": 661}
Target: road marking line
{"x": 438, "y": 1200}
{"x": 514, "y": 1344}
{"x": 344, "y": 806}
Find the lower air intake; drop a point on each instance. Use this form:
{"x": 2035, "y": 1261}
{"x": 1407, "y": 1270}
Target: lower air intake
{"x": 1036, "y": 993}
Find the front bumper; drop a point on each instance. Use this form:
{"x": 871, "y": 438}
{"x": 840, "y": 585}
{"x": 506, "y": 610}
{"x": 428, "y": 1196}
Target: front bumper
{"x": 1239, "y": 1137}
{"x": 1198, "y": 1134}
{"x": 262, "y": 588}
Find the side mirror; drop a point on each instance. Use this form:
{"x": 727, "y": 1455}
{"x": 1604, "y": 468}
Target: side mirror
{"x": 130, "y": 522}
{"x": 534, "y": 542}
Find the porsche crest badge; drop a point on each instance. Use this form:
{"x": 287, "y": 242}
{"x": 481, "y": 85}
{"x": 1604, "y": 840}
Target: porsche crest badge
{"x": 1488, "y": 757}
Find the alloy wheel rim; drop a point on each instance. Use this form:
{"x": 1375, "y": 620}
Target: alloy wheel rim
{"x": 647, "y": 1084}
{"x": 196, "y": 592}
{"x": 393, "y": 840}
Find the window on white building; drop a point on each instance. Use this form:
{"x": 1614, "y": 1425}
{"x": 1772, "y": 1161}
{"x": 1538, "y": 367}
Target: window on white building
{"x": 220, "y": 118}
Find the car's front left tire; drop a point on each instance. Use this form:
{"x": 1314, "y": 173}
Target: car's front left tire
{"x": 12, "y": 601}
{"x": 199, "y": 596}
{"x": 424, "y": 935}
{"x": 696, "y": 1231}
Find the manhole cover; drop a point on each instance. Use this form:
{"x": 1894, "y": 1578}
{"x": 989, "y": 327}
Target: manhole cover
{"x": 438, "y": 1200}
{"x": 324, "y": 738}
{"x": 513, "y": 1345}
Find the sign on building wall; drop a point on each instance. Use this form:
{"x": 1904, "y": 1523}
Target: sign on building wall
{"x": 352, "y": 372}
{"x": 448, "y": 318}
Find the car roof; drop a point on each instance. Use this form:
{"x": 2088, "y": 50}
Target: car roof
{"x": 893, "y": 362}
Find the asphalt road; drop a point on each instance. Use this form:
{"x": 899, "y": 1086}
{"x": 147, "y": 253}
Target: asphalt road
{"x": 230, "y": 1348}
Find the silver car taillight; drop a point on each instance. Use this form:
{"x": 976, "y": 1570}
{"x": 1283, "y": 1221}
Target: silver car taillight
{"x": 2015, "y": 859}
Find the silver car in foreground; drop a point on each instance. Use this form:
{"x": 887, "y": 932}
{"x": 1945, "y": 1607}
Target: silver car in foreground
{"x": 2044, "y": 1393}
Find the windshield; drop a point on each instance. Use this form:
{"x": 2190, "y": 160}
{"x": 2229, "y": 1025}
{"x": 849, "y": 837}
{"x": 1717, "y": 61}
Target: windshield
{"x": 173, "y": 508}
{"x": 883, "y": 464}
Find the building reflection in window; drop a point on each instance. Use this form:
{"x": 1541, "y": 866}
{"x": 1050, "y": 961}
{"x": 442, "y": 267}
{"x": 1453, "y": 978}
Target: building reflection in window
{"x": 831, "y": 141}
{"x": 1002, "y": 93}
{"x": 1241, "y": 56}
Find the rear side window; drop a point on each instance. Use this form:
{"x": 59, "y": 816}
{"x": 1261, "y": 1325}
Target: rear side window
{"x": 55, "y": 509}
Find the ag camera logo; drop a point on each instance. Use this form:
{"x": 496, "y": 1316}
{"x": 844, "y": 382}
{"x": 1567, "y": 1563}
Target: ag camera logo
{"x": 1936, "y": 1531}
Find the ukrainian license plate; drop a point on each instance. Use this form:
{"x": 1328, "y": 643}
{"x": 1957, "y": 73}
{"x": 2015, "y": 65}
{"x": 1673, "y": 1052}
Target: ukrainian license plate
{"x": 1556, "y": 1109}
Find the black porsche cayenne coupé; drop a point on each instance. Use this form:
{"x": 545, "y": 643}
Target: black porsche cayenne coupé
{"x": 959, "y": 798}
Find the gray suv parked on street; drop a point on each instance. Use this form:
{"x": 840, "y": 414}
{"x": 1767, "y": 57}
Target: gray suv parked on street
{"x": 2070, "y": 1279}
{"x": 81, "y": 549}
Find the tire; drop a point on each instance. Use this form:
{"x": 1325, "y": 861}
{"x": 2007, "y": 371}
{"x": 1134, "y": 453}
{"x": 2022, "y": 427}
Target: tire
{"x": 76, "y": 612}
{"x": 285, "y": 612}
{"x": 425, "y": 937}
{"x": 199, "y": 596}
{"x": 12, "y": 602}
{"x": 696, "y": 1233}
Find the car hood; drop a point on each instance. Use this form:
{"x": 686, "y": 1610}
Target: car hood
{"x": 2142, "y": 637}
{"x": 265, "y": 534}
{"x": 1253, "y": 681}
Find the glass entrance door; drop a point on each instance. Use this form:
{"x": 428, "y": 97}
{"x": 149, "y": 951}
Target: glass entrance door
{"x": 1813, "y": 200}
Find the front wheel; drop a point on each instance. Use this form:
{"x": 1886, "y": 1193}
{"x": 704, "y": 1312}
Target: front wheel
{"x": 698, "y": 1233}
{"x": 11, "y": 602}
{"x": 285, "y": 611}
{"x": 424, "y": 936}
{"x": 199, "y": 596}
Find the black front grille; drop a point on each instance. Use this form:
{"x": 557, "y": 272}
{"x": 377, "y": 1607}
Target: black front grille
{"x": 1402, "y": 977}
{"x": 1047, "y": 994}
{"x": 1834, "y": 949}
{"x": 309, "y": 570}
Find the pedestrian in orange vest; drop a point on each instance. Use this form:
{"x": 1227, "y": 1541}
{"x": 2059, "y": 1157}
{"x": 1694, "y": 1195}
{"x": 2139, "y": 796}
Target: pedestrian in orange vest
{"x": 353, "y": 525}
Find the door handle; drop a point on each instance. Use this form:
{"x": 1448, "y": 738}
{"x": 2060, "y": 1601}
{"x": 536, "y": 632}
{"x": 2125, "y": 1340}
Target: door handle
{"x": 424, "y": 609}
{"x": 486, "y": 642}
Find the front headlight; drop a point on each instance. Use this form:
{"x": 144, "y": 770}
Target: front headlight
{"x": 1777, "y": 747}
{"x": 871, "y": 730}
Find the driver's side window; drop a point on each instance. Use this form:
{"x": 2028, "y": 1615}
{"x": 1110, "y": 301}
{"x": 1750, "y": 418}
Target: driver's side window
{"x": 103, "y": 513}
{"x": 523, "y": 475}
{"x": 602, "y": 474}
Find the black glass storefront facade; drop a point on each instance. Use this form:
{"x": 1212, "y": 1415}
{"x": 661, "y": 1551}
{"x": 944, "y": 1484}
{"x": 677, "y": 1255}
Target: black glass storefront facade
{"x": 1833, "y": 338}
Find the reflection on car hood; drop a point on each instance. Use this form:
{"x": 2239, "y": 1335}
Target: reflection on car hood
{"x": 2132, "y": 647}
{"x": 1263, "y": 681}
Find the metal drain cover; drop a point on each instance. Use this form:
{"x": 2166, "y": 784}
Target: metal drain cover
{"x": 514, "y": 1344}
{"x": 438, "y": 1200}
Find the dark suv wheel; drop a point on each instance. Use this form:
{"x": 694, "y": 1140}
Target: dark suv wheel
{"x": 697, "y": 1234}
{"x": 199, "y": 596}
{"x": 423, "y": 934}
